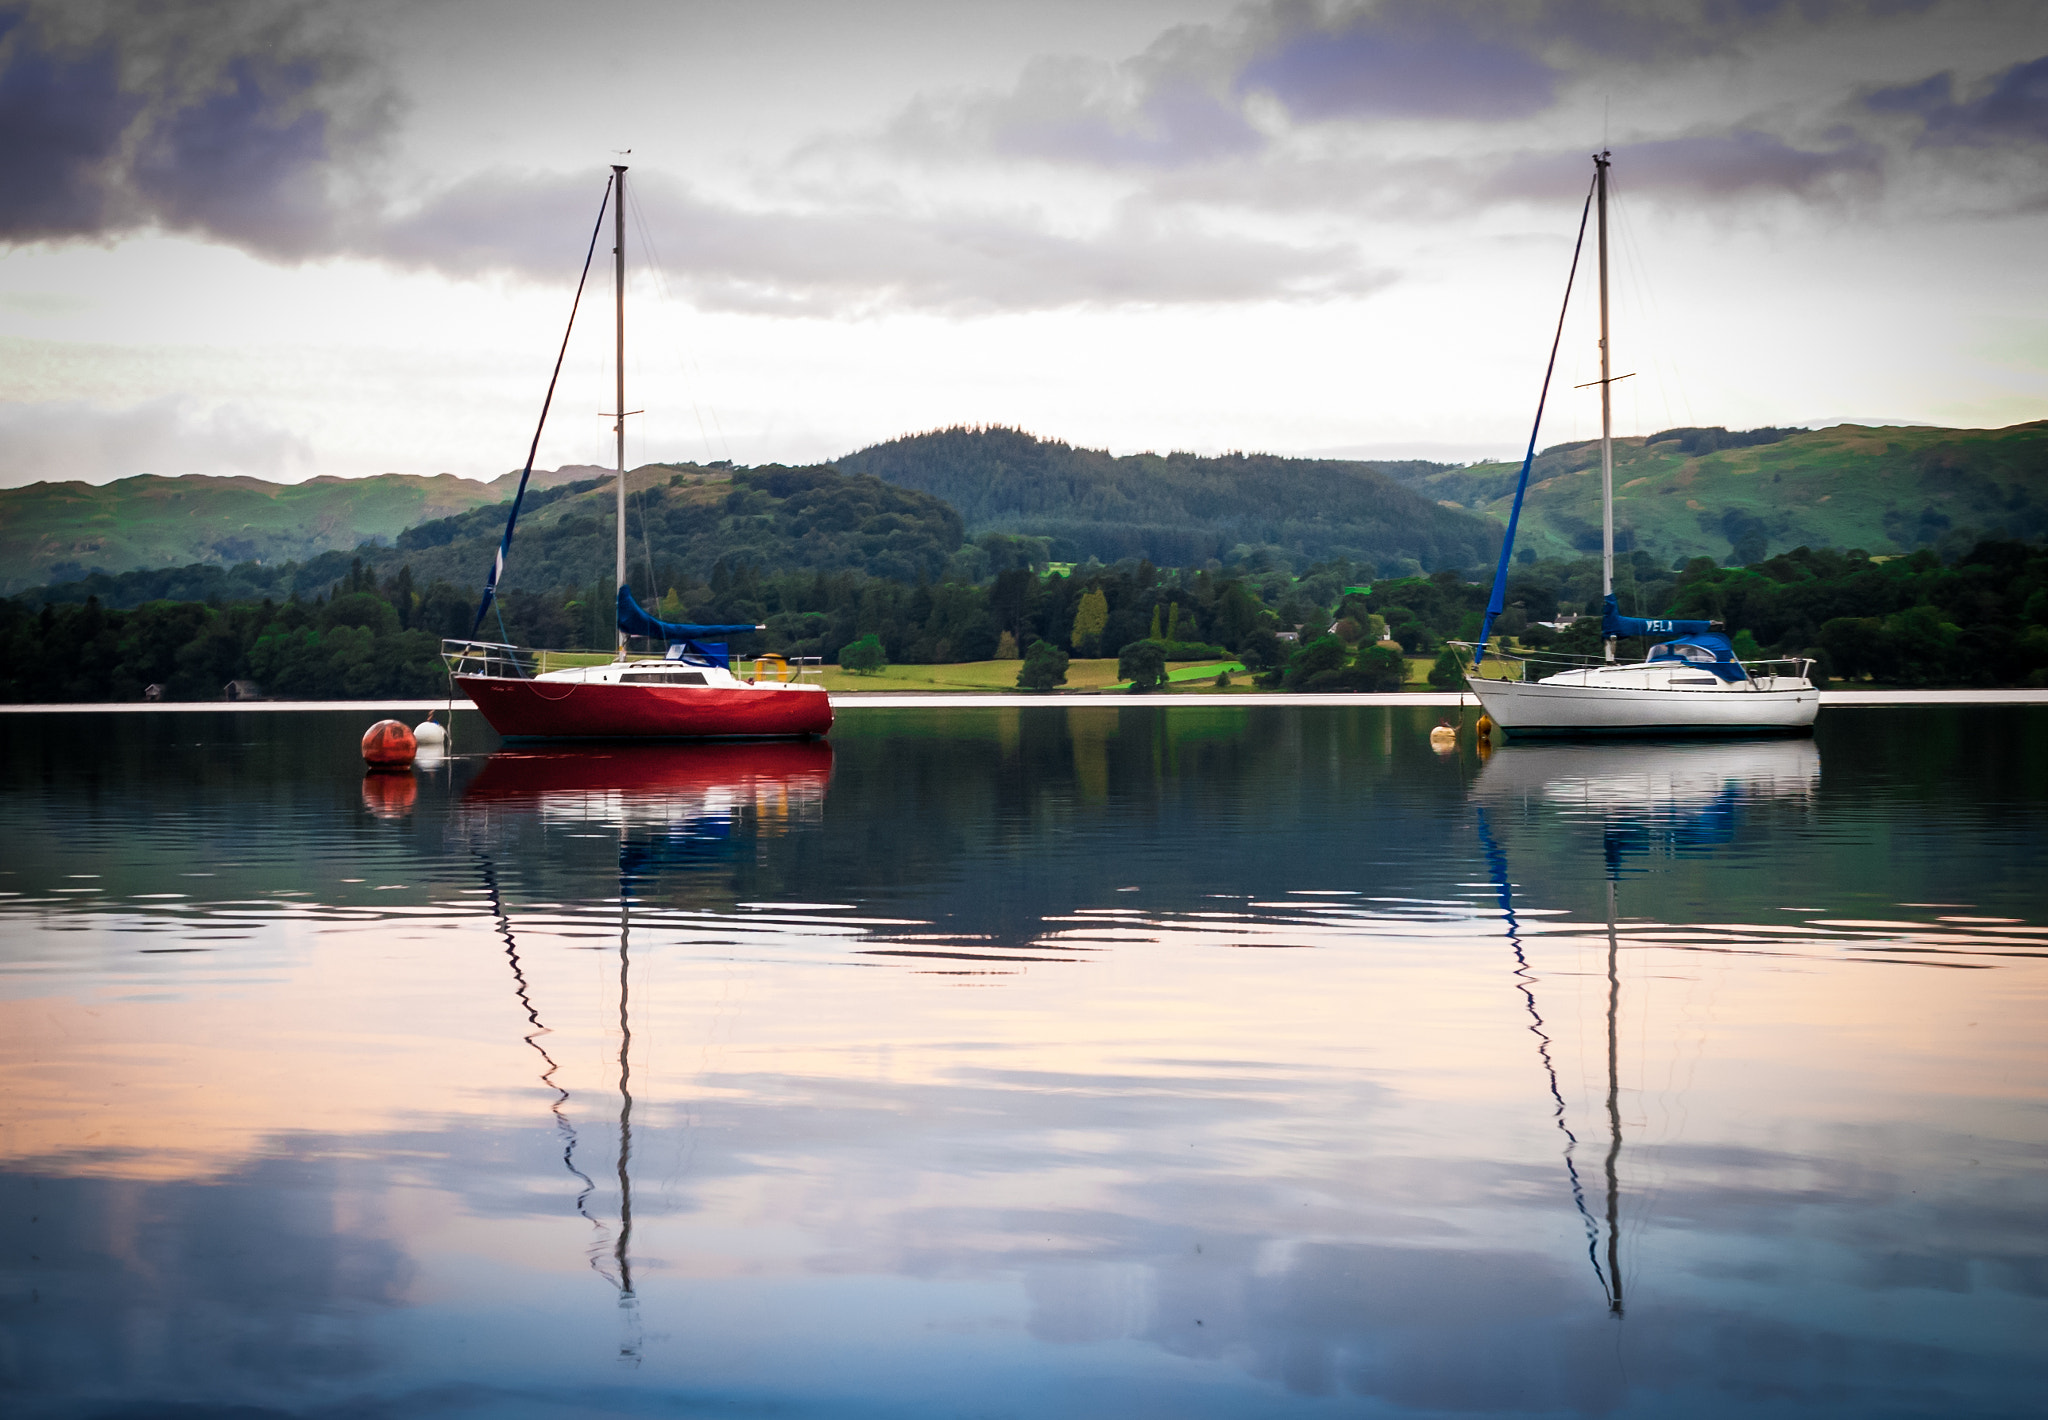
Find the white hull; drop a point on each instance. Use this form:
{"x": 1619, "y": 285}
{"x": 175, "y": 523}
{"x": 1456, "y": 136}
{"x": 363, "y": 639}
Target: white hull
{"x": 1545, "y": 708}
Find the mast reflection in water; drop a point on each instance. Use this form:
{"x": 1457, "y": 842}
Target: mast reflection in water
{"x": 666, "y": 802}
{"x": 1683, "y": 796}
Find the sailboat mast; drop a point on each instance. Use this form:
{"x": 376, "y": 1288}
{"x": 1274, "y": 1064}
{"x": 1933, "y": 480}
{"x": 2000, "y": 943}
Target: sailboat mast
{"x": 1600, "y": 161}
{"x": 619, "y": 364}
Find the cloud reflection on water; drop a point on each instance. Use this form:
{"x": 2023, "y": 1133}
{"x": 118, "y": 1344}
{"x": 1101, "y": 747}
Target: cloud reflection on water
{"x": 1165, "y": 1171}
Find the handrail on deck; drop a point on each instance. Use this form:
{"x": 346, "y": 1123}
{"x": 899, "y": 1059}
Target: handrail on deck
{"x": 487, "y": 658}
{"x": 1567, "y": 660}
{"x": 499, "y": 660}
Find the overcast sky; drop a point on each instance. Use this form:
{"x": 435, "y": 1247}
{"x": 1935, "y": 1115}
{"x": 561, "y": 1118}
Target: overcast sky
{"x": 286, "y": 239}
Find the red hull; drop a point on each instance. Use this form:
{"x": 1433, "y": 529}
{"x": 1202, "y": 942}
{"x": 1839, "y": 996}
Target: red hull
{"x": 555, "y": 710}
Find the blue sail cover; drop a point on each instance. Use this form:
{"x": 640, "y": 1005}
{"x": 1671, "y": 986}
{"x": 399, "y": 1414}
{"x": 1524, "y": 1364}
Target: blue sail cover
{"x": 1694, "y": 642}
{"x": 1709, "y": 650}
{"x": 1613, "y": 623}
{"x": 635, "y": 622}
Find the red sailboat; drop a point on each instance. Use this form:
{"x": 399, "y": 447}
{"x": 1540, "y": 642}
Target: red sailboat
{"x": 692, "y": 691}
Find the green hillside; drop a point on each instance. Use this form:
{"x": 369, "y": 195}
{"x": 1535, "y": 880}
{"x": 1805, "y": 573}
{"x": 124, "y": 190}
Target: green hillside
{"x": 1681, "y": 494}
{"x": 687, "y": 519}
{"x": 1705, "y": 492}
{"x": 52, "y": 532}
{"x": 696, "y": 526}
{"x": 1179, "y": 509}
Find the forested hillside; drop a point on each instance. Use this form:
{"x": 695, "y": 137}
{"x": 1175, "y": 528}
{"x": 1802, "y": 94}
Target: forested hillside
{"x": 1741, "y": 496}
{"x": 1179, "y": 508}
{"x": 58, "y": 532}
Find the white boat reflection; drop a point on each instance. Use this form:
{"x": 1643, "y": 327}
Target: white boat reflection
{"x": 1670, "y": 798}
{"x": 1691, "y": 774}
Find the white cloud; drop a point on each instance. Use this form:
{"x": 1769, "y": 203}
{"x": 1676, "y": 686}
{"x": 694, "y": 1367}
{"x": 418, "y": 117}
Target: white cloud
{"x": 63, "y": 441}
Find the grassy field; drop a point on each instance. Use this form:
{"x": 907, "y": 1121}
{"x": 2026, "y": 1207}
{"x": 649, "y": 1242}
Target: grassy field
{"x": 988, "y": 677}
{"x": 1082, "y": 676}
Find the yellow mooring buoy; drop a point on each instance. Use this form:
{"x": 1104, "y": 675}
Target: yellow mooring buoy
{"x": 1485, "y": 726}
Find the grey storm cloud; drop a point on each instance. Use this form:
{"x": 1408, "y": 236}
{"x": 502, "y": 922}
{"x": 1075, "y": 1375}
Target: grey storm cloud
{"x": 875, "y": 256}
{"x": 1186, "y": 99}
{"x": 1741, "y": 162}
{"x": 1411, "y": 61}
{"x": 1146, "y": 113}
{"x": 2010, "y": 109}
{"x": 252, "y": 123}
{"x": 228, "y": 118}
{"x": 258, "y": 123}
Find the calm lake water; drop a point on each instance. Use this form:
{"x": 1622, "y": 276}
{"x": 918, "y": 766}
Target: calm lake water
{"x": 1186, "y": 1062}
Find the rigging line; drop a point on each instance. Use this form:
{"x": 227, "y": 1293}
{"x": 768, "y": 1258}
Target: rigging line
{"x": 646, "y": 543}
{"x": 1646, "y": 293}
{"x": 562, "y": 1124}
{"x": 1525, "y": 982}
{"x": 1496, "y": 602}
{"x": 519, "y": 496}
{"x": 693, "y": 373}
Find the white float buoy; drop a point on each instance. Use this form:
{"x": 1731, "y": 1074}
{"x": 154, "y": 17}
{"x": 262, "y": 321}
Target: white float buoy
{"x": 430, "y": 732}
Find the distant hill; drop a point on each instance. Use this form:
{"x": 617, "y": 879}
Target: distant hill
{"x": 697, "y": 525}
{"x": 686, "y": 519}
{"x": 53, "y": 532}
{"x": 1729, "y": 495}
{"x": 1746, "y": 495}
{"x": 1179, "y": 509}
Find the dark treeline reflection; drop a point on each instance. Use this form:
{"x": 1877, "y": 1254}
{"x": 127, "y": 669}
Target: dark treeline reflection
{"x": 991, "y": 819}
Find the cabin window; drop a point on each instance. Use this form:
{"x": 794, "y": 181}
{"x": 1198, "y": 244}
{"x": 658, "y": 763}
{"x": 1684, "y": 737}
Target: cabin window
{"x": 662, "y": 678}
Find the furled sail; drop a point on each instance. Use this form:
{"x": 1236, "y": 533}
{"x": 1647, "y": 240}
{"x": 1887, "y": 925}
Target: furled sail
{"x": 1613, "y": 623}
{"x": 634, "y": 621}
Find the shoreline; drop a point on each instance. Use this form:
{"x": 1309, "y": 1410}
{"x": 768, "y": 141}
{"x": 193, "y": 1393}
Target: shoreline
{"x": 883, "y": 700}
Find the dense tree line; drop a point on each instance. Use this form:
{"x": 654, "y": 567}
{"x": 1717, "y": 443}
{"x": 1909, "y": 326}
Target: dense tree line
{"x": 348, "y": 646}
{"x": 1982, "y": 619}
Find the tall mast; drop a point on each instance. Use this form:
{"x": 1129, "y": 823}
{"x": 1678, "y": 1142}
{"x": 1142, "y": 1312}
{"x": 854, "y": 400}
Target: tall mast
{"x": 619, "y": 363}
{"x": 1600, "y": 161}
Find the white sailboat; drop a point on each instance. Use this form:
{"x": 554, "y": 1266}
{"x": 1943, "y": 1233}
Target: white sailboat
{"x": 1690, "y": 681}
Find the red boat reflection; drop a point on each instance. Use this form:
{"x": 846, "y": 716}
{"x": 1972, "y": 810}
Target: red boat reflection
{"x": 781, "y": 778}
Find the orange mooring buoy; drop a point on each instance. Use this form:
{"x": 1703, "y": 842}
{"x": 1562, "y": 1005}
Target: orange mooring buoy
{"x": 389, "y": 745}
